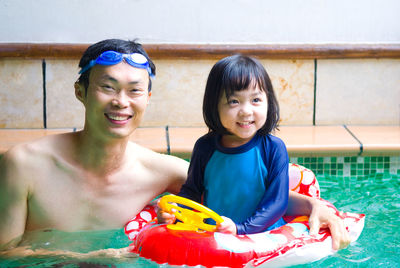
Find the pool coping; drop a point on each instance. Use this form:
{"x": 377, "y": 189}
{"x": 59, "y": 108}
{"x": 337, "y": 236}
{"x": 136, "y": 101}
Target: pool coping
{"x": 343, "y": 140}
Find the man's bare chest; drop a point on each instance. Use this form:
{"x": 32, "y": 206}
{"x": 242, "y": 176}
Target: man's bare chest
{"x": 71, "y": 203}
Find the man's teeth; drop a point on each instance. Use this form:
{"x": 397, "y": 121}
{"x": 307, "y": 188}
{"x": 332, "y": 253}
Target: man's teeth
{"x": 118, "y": 118}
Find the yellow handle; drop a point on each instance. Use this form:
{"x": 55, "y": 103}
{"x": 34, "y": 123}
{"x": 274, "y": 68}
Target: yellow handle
{"x": 191, "y": 220}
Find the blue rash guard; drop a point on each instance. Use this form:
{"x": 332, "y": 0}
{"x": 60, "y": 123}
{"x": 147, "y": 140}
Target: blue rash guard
{"x": 249, "y": 183}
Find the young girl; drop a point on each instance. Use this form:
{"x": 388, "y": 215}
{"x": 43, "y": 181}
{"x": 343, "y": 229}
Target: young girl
{"x": 238, "y": 168}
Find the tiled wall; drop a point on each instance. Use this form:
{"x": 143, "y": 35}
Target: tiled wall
{"x": 349, "y": 167}
{"x": 36, "y": 93}
{"x": 21, "y": 94}
{"x": 355, "y": 91}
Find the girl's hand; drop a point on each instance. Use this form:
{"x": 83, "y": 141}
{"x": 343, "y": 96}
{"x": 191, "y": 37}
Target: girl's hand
{"x": 227, "y": 226}
{"x": 164, "y": 217}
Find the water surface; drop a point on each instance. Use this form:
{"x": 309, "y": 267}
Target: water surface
{"x": 377, "y": 196}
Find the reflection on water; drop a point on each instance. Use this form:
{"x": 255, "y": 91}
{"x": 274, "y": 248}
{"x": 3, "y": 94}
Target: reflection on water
{"x": 83, "y": 242}
{"x": 77, "y": 249}
{"x": 68, "y": 262}
{"x": 379, "y": 244}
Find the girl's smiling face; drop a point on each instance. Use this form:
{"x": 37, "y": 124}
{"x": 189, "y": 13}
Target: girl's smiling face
{"x": 242, "y": 114}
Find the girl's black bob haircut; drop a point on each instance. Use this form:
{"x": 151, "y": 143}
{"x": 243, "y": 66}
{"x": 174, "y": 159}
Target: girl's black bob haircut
{"x": 236, "y": 73}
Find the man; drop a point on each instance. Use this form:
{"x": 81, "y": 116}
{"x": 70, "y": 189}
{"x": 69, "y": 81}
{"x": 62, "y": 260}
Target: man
{"x": 96, "y": 178}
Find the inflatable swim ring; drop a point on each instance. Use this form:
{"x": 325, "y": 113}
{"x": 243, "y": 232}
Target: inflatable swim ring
{"x": 290, "y": 244}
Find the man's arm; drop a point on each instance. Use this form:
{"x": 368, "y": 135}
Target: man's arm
{"x": 174, "y": 170}
{"x": 13, "y": 199}
{"x": 320, "y": 217}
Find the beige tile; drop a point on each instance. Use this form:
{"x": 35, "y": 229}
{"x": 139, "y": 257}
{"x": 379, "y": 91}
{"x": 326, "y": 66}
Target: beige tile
{"x": 153, "y": 138}
{"x": 318, "y": 140}
{"x": 358, "y": 91}
{"x": 63, "y": 109}
{"x": 349, "y": 92}
{"x": 21, "y": 93}
{"x": 376, "y": 140}
{"x": 293, "y": 82}
{"x": 179, "y": 87}
{"x": 178, "y": 93}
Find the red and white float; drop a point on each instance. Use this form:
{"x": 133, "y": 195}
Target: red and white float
{"x": 290, "y": 244}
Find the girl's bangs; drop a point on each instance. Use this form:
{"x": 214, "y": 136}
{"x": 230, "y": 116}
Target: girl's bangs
{"x": 241, "y": 77}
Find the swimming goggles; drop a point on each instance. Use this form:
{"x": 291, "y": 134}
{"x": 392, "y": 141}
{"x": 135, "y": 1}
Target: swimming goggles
{"x": 111, "y": 57}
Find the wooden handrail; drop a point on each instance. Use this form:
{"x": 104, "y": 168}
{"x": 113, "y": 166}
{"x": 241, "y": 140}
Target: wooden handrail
{"x": 213, "y": 51}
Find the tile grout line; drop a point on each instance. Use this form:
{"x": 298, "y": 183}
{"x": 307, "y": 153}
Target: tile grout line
{"x": 168, "y": 141}
{"x": 315, "y": 90}
{"x": 44, "y": 94}
{"x": 355, "y": 137}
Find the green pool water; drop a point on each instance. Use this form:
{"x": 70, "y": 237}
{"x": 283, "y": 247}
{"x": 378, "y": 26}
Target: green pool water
{"x": 378, "y": 196}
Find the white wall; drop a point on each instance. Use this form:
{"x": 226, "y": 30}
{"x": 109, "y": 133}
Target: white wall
{"x": 201, "y": 21}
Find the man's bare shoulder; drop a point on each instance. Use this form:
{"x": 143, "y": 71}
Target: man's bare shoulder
{"x": 23, "y": 164}
{"x": 154, "y": 159}
{"x": 25, "y": 156}
{"x": 171, "y": 170}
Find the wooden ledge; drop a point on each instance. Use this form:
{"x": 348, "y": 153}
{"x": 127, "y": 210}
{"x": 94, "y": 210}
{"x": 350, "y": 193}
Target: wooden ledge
{"x": 213, "y": 51}
{"x": 182, "y": 140}
{"x": 299, "y": 140}
{"x": 311, "y": 140}
{"x": 12, "y": 137}
{"x": 382, "y": 140}
{"x": 152, "y": 138}
{"x": 318, "y": 140}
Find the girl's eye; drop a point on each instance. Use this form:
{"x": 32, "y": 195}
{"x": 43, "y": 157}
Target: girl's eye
{"x": 257, "y": 100}
{"x": 232, "y": 102}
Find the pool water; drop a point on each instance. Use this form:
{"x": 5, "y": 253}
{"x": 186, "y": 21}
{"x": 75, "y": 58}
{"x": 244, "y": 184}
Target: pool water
{"x": 377, "y": 196}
